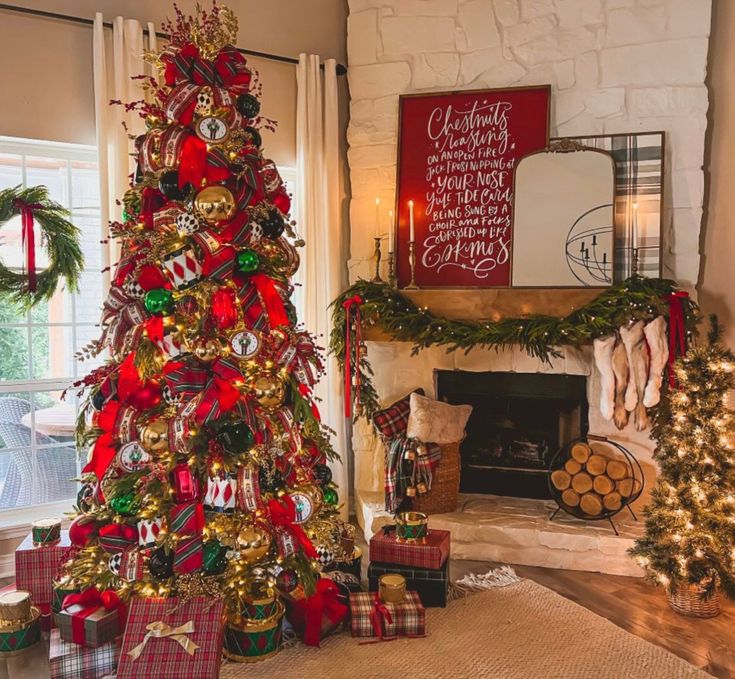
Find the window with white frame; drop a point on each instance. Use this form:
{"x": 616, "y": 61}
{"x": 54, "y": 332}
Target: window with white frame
{"x": 38, "y": 460}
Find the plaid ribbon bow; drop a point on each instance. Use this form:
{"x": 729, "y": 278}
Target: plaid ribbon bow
{"x": 228, "y": 69}
{"x": 160, "y": 630}
{"x": 213, "y": 384}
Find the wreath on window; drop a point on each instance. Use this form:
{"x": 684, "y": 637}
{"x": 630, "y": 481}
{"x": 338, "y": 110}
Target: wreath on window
{"x": 59, "y": 238}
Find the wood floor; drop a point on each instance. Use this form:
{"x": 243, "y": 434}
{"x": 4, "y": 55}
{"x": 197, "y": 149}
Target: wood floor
{"x": 641, "y": 609}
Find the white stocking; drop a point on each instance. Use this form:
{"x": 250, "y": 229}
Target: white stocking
{"x": 603, "y": 352}
{"x": 635, "y": 347}
{"x": 658, "y": 345}
{"x": 622, "y": 374}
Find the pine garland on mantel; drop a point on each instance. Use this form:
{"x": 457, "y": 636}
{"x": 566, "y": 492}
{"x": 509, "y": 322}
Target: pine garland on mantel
{"x": 540, "y": 336}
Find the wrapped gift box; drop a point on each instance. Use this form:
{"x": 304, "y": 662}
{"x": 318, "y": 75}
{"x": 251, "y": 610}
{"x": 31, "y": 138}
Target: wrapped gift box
{"x": 88, "y": 625}
{"x": 157, "y": 632}
{"x": 405, "y": 619}
{"x": 432, "y": 553}
{"x": 36, "y": 568}
{"x": 71, "y": 661}
{"x": 431, "y": 584}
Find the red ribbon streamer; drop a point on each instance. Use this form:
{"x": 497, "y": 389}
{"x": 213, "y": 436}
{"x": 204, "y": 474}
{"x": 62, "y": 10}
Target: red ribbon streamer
{"x": 378, "y": 616}
{"x": 324, "y": 603}
{"x": 271, "y": 299}
{"x": 677, "y": 331}
{"x": 283, "y": 514}
{"x": 28, "y": 238}
{"x": 92, "y": 599}
{"x": 352, "y": 310}
{"x": 104, "y": 450}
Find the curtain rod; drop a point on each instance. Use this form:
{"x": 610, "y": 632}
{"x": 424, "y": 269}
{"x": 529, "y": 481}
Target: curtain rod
{"x": 341, "y": 68}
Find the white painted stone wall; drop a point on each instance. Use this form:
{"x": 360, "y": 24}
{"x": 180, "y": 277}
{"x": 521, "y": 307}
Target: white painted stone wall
{"x": 614, "y": 66}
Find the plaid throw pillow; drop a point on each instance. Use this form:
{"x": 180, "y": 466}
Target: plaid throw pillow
{"x": 393, "y": 420}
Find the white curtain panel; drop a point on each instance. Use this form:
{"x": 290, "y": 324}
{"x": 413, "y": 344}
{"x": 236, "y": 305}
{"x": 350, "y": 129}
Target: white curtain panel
{"x": 118, "y": 56}
{"x": 322, "y": 270}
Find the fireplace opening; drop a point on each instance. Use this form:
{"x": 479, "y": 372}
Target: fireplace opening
{"x": 518, "y": 423}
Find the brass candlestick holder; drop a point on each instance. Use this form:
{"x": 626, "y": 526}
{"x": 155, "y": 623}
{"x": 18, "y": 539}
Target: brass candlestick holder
{"x": 634, "y": 261}
{"x": 392, "y": 279}
{"x": 412, "y": 261}
{"x": 377, "y": 256}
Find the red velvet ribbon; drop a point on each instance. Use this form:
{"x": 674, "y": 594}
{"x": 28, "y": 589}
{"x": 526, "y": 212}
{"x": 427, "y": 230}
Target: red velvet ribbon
{"x": 379, "y": 616}
{"x": 677, "y": 331}
{"x": 193, "y": 165}
{"x": 271, "y": 299}
{"x": 28, "y": 238}
{"x": 283, "y": 514}
{"x": 323, "y": 603}
{"x": 352, "y": 310}
{"x": 103, "y": 451}
{"x": 91, "y": 600}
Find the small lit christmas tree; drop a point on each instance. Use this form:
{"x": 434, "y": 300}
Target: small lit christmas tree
{"x": 690, "y": 523}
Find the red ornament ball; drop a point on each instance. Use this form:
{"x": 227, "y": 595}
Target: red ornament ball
{"x": 147, "y": 397}
{"x": 224, "y": 308}
{"x": 82, "y": 530}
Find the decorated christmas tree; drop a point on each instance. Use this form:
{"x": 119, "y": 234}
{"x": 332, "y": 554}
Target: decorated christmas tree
{"x": 689, "y": 542}
{"x": 207, "y": 469}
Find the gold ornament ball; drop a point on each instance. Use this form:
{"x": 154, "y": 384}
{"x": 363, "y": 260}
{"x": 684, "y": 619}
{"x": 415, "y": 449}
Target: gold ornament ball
{"x": 207, "y": 350}
{"x": 253, "y": 543}
{"x": 154, "y": 435}
{"x": 215, "y": 204}
{"x": 269, "y": 391}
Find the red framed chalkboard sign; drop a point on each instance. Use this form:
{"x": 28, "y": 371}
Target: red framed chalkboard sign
{"x": 456, "y": 156}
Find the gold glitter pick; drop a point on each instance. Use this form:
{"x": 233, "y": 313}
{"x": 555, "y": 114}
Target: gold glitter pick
{"x": 211, "y": 37}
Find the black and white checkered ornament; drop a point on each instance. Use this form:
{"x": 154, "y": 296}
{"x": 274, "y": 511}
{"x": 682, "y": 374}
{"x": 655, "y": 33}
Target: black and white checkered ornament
{"x": 115, "y": 563}
{"x": 187, "y": 223}
{"x": 205, "y": 101}
{"x": 324, "y": 555}
{"x": 169, "y": 396}
{"x": 132, "y": 289}
{"x": 256, "y": 231}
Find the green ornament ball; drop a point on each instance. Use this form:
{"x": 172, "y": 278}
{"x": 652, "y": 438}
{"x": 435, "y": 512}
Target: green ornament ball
{"x": 248, "y": 261}
{"x": 125, "y": 216}
{"x": 330, "y": 496}
{"x": 124, "y": 504}
{"x": 159, "y": 301}
{"x": 214, "y": 561}
{"x": 236, "y": 437}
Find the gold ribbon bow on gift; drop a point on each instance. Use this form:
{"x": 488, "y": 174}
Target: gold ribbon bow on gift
{"x": 160, "y": 629}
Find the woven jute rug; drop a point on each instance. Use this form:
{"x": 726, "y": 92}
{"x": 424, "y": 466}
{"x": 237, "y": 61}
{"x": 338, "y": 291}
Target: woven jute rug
{"x": 521, "y": 631}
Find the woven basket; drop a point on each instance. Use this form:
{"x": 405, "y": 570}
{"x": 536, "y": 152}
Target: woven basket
{"x": 687, "y": 600}
{"x": 444, "y": 494}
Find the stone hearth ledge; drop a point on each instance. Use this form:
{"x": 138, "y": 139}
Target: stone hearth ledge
{"x": 518, "y": 531}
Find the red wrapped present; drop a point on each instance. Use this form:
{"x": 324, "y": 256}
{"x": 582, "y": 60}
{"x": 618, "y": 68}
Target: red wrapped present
{"x": 91, "y": 618}
{"x": 71, "y": 661}
{"x": 377, "y": 620}
{"x": 36, "y": 568}
{"x": 319, "y": 615}
{"x": 167, "y": 639}
{"x": 431, "y": 553}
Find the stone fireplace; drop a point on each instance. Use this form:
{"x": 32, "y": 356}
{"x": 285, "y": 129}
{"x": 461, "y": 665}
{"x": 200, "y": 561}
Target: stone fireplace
{"x": 490, "y": 522}
{"x": 518, "y": 423}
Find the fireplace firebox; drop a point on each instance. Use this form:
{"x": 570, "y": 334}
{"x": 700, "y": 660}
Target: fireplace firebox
{"x": 518, "y": 422}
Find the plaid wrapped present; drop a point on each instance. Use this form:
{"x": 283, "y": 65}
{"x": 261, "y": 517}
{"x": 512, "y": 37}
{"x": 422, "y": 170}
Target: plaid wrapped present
{"x": 167, "y": 639}
{"x": 71, "y": 661}
{"x": 377, "y": 620}
{"x": 85, "y": 620}
{"x": 432, "y": 585}
{"x": 432, "y": 553}
{"x": 36, "y": 568}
